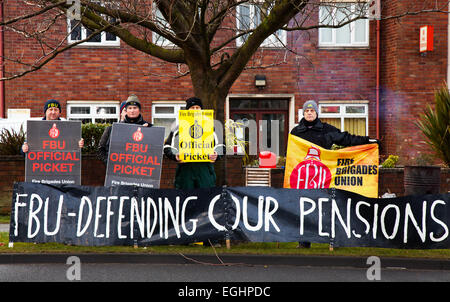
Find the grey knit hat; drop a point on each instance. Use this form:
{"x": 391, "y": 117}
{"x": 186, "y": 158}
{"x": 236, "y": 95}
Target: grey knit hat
{"x": 133, "y": 100}
{"x": 310, "y": 104}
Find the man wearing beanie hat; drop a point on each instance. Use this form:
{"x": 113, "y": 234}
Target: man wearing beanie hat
{"x": 132, "y": 108}
{"x": 194, "y": 103}
{"x": 133, "y": 101}
{"x": 312, "y": 129}
{"x": 193, "y": 174}
{"x": 52, "y": 112}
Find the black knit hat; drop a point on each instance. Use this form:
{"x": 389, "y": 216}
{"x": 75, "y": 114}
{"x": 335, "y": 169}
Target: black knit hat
{"x": 192, "y": 102}
{"x": 52, "y": 103}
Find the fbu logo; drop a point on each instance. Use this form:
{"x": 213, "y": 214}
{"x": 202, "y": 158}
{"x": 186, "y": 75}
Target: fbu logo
{"x": 311, "y": 173}
{"x": 138, "y": 135}
{"x": 53, "y": 132}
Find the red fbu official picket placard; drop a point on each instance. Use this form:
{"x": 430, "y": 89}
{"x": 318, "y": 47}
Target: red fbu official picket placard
{"x": 135, "y": 156}
{"x": 54, "y": 156}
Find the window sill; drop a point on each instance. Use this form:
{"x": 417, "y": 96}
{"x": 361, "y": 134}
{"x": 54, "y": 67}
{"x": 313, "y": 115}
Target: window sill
{"x": 343, "y": 47}
{"x": 82, "y": 45}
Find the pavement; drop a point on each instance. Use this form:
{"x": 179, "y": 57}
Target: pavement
{"x": 231, "y": 259}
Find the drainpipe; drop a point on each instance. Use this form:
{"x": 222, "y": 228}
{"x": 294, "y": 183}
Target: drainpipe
{"x": 2, "y": 73}
{"x": 378, "y": 79}
{"x": 448, "y": 49}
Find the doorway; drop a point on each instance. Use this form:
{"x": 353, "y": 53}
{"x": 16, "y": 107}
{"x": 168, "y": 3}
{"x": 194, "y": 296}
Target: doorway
{"x": 260, "y": 110}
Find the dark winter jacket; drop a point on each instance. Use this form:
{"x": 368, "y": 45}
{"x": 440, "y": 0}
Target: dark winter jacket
{"x": 325, "y": 135}
{"x": 193, "y": 174}
{"x": 103, "y": 146}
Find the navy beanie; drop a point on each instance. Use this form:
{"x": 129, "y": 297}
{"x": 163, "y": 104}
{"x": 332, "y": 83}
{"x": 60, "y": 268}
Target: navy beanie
{"x": 52, "y": 103}
{"x": 192, "y": 102}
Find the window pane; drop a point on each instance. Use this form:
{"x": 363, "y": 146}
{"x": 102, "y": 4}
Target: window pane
{"x": 360, "y": 31}
{"x": 256, "y": 16}
{"x": 75, "y": 34}
{"x": 106, "y": 110}
{"x": 326, "y": 35}
{"x": 164, "y": 122}
{"x": 110, "y": 36}
{"x": 83, "y": 120}
{"x": 164, "y": 109}
{"x": 336, "y": 122}
{"x": 80, "y": 110}
{"x": 325, "y": 18}
{"x": 355, "y": 109}
{"x": 330, "y": 109}
{"x": 355, "y": 126}
{"x": 244, "y": 17}
{"x": 241, "y": 104}
{"x": 95, "y": 39}
{"x": 105, "y": 120}
{"x": 343, "y": 33}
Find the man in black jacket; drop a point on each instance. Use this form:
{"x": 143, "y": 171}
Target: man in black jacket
{"x": 312, "y": 129}
{"x": 133, "y": 116}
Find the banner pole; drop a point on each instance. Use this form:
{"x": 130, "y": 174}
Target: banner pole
{"x": 333, "y": 196}
{"x": 135, "y": 242}
{"x": 226, "y": 212}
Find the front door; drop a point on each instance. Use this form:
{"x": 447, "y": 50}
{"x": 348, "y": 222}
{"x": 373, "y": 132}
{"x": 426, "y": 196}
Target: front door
{"x": 263, "y": 111}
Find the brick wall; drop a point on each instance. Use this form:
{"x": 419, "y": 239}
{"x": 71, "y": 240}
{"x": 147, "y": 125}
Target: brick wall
{"x": 408, "y": 79}
{"x": 90, "y": 73}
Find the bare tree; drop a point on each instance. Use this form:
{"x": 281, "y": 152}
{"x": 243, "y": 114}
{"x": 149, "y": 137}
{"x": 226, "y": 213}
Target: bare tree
{"x": 210, "y": 41}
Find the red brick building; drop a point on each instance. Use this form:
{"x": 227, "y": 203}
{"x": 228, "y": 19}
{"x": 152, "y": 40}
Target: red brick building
{"x": 342, "y": 69}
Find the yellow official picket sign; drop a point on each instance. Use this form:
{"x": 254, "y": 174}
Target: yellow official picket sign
{"x": 309, "y": 166}
{"x": 196, "y": 133}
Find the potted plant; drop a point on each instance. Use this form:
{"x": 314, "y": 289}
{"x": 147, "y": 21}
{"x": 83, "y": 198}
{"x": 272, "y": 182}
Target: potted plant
{"x": 424, "y": 177}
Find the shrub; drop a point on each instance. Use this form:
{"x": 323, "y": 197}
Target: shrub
{"x": 435, "y": 125}
{"x": 11, "y": 141}
{"x": 91, "y": 133}
{"x": 390, "y": 161}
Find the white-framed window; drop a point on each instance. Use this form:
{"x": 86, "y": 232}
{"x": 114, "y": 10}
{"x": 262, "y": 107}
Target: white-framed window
{"x": 77, "y": 32}
{"x": 165, "y": 113}
{"x": 157, "y": 39}
{"x": 354, "y": 34}
{"x": 249, "y": 16}
{"x": 93, "y": 112}
{"x": 352, "y": 117}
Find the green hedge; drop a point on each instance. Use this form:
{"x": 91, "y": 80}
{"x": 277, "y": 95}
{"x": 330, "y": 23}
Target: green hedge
{"x": 91, "y": 133}
{"x": 11, "y": 141}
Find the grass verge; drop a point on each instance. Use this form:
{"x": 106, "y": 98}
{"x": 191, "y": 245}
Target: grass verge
{"x": 254, "y": 248}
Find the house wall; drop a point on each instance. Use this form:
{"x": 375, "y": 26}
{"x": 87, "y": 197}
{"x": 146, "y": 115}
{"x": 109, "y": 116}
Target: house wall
{"x": 409, "y": 79}
{"x": 112, "y": 73}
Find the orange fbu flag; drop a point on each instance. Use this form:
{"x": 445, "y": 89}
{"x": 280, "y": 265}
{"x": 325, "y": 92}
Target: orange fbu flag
{"x": 309, "y": 166}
